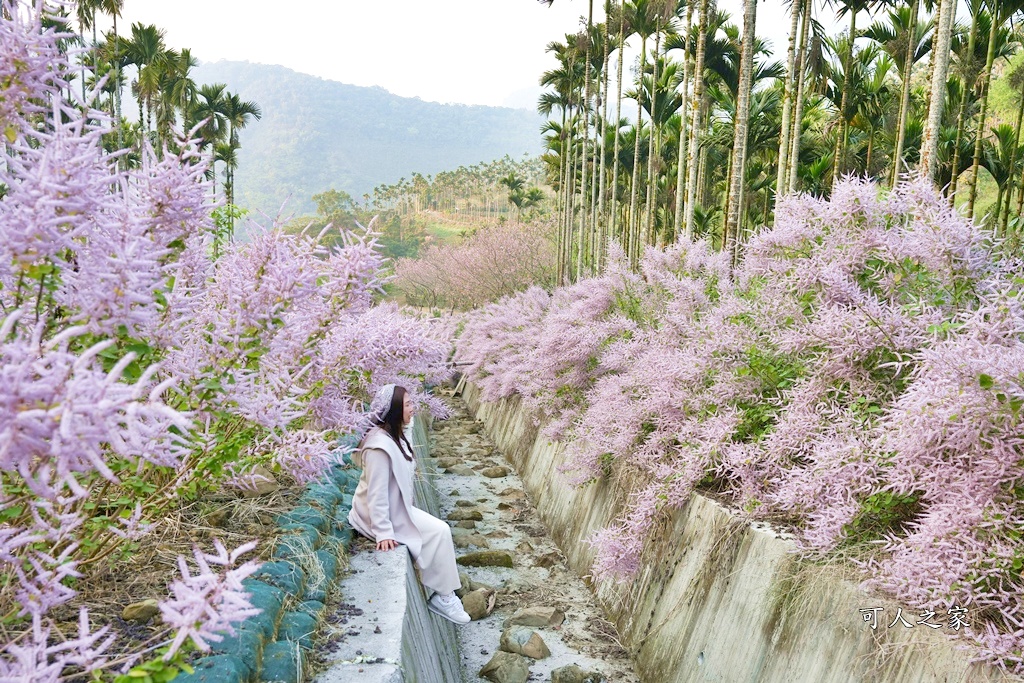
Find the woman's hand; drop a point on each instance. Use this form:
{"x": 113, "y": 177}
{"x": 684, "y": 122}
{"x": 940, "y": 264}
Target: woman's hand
{"x": 386, "y": 544}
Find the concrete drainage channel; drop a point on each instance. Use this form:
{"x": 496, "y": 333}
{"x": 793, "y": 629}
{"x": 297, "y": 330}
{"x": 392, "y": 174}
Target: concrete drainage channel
{"x": 382, "y": 631}
{"x": 402, "y": 641}
{"x": 533, "y": 619}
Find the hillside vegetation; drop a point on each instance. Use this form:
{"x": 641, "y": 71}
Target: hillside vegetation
{"x": 322, "y": 134}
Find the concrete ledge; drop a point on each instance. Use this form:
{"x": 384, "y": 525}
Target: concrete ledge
{"x": 374, "y": 593}
{"x": 391, "y": 636}
{"x": 719, "y": 598}
{"x": 395, "y": 638}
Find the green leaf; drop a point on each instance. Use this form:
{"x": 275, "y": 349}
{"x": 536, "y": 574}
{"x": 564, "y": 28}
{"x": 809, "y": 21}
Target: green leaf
{"x": 111, "y": 353}
{"x": 140, "y": 348}
{"x": 985, "y": 381}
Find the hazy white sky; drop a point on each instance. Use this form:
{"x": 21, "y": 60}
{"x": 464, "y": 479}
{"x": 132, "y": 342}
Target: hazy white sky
{"x": 468, "y": 51}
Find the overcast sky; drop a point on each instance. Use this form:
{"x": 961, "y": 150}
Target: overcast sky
{"x": 467, "y": 51}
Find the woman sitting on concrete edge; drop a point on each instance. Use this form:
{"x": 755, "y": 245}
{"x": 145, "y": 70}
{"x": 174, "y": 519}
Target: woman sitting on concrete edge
{"x": 382, "y": 507}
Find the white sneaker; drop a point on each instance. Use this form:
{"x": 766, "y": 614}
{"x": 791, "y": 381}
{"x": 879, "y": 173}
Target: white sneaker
{"x": 449, "y": 607}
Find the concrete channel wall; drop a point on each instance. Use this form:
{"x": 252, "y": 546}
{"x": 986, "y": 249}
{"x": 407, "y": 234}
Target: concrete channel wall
{"x": 722, "y": 599}
{"x": 430, "y": 646}
{"x": 409, "y": 644}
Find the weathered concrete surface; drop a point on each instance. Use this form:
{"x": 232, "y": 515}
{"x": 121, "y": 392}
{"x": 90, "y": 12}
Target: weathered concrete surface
{"x": 372, "y": 649}
{"x": 396, "y": 638}
{"x": 566, "y": 614}
{"x": 720, "y": 599}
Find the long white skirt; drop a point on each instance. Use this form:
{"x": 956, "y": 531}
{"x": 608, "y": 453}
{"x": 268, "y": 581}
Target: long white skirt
{"x": 436, "y": 559}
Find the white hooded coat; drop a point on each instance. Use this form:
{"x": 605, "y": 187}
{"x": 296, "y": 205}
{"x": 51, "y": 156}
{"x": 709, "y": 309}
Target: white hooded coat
{"x": 382, "y": 508}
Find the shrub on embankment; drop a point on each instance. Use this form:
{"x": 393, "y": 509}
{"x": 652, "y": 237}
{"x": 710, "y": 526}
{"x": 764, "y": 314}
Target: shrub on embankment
{"x": 145, "y": 360}
{"x": 859, "y": 375}
{"x": 495, "y": 261}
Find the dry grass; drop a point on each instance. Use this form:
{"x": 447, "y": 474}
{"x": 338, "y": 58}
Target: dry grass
{"x": 108, "y": 587}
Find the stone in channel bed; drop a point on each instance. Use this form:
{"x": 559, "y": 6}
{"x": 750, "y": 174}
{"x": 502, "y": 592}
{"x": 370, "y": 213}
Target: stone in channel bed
{"x": 486, "y": 558}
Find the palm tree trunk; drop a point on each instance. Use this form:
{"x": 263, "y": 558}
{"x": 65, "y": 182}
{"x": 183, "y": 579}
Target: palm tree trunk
{"x": 634, "y": 195}
{"x": 652, "y": 182}
{"x": 562, "y": 163}
{"x": 581, "y": 260}
{"x": 725, "y": 223}
{"x": 117, "y": 88}
{"x": 570, "y": 200}
{"x": 940, "y": 55}
{"x": 982, "y": 119}
{"x": 577, "y": 162}
{"x": 1013, "y": 168}
{"x": 698, "y": 95}
{"x": 601, "y": 219}
{"x": 592, "y": 245}
{"x": 999, "y": 204}
{"x": 1020, "y": 196}
{"x": 564, "y": 191}
{"x": 230, "y": 188}
{"x": 739, "y": 144}
{"x": 703, "y": 185}
{"x": 840, "y": 151}
{"x": 961, "y": 116}
{"x": 563, "y": 261}
{"x": 677, "y": 223}
{"x": 614, "y": 215}
{"x": 738, "y": 232}
{"x": 798, "y": 117}
{"x": 594, "y": 177}
{"x": 908, "y": 70}
{"x": 787, "y": 102}
{"x": 561, "y": 196}
{"x": 871, "y": 144}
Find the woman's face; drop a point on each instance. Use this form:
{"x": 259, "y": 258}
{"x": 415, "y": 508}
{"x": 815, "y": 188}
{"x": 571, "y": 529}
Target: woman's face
{"x": 408, "y": 409}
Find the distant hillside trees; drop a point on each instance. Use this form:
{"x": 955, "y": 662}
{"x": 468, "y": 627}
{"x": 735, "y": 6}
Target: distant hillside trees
{"x": 520, "y": 196}
{"x": 477, "y": 191}
{"x": 323, "y": 134}
{"x": 340, "y": 213}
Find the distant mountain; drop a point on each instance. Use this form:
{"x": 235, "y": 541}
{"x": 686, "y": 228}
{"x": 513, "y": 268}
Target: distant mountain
{"x": 316, "y": 134}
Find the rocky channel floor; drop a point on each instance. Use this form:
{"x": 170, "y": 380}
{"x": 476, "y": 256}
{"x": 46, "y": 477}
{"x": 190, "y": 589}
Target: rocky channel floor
{"x": 495, "y": 524}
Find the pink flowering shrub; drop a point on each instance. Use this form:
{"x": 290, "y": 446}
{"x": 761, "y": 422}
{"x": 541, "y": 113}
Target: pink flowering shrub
{"x": 206, "y": 605}
{"x": 549, "y": 350}
{"x": 494, "y": 262}
{"x": 137, "y": 369}
{"x": 498, "y": 339}
{"x": 860, "y": 373}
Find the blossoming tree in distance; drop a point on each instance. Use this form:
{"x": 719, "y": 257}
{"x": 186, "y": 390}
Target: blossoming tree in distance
{"x": 861, "y": 373}
{"x": 140, "y": 366}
